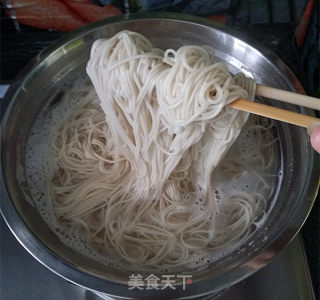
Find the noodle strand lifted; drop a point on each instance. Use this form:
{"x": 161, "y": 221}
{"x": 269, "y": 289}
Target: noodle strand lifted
{"x": 134, "y": 170}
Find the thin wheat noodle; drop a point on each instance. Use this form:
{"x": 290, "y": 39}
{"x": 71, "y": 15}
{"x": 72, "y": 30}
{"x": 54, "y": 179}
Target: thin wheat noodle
{"x": 131, "y": 169}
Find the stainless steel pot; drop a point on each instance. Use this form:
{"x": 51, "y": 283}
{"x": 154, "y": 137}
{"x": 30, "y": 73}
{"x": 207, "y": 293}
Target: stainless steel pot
{"x": 59, "y": 64}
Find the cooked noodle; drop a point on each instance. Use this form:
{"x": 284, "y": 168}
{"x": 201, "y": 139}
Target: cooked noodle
{"x": 133, "y": 172}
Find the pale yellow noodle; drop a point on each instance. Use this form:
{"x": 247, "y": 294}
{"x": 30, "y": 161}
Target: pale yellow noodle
{"x": 131, "y": 169}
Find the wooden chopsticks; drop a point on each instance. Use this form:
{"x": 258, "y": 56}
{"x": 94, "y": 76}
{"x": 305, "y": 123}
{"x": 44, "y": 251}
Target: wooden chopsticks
{"x": 279, "y": 113}
{"x": 288, "y": 97}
